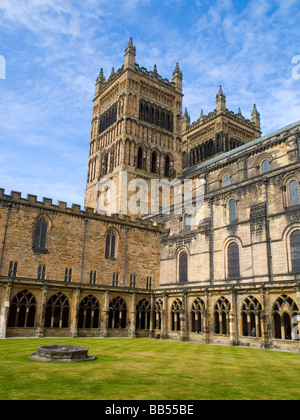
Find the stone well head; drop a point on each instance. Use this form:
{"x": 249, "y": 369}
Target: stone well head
{"x": 62, "y": 353}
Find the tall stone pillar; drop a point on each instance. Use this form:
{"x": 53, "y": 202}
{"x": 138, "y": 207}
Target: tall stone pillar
{"x": 42, "y": 311}
{"x": 74, "y": 312}
{"x": 105, "y": 315}
{"x": 132, "y": 325}
{"x": 151, "y": 329}
{"x": 165, "y": 317}
{"x": 266, "y": 326}
{"x": 5, "y": 310}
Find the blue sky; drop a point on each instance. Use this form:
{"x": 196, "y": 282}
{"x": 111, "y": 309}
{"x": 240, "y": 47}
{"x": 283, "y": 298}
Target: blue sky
{"x": 54, "y": 50}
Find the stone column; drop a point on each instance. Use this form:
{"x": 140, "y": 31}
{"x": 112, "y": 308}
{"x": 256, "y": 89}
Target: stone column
{"x": 206, "y": 331}
{"x": 5, "y": 310}
{"x": 132, "y": 324}
{"x": 105, "y": 315}
{"x": 74, "y": 312}
{"x": 151, "y": 329}
{"x": 266, "y": 325}
{"x": 165, "y": 317}
{"x": 42, "y": 311}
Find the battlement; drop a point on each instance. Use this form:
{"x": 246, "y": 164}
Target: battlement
{"x": 15, "y": 197}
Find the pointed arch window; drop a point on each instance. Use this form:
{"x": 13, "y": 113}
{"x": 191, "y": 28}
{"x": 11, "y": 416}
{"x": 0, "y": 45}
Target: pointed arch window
{"x": 295, "y": 251}
{"x": 117, "y": 313}
{"x": 40, "y": 235}
{"x": 265, "y": 166}
{"x": 183, "y": 267}
{"x": 285, "y": 313}
{"x": 197, "y": 313}
{"x": 232, "y": 210}
{"x": 22, "y": 310}
{"x": 294, "y": 193}
{"x": 89, "y": 313}
{"x": 158, "y": 314}
{"x": 226, "y": 181}
{"x": 140, "y": 158}
{"x": 154, "y": 162}
{"x": 176, "y": 310}
{"x": 233, "y": 260}
{"x": 57, "y": 312}
{"x": 143, "y": 315}
{"x": 110, "y": 246}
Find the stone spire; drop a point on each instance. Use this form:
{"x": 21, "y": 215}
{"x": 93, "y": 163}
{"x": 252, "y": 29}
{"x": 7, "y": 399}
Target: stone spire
{"x": 221, "y": 101}
{"x": 186, "y": 122}
{"x": 255, "y": 117}
{"x": 130, "y": 53}
{"x": 177, "y": 78}
{"x": 100, "y": 82}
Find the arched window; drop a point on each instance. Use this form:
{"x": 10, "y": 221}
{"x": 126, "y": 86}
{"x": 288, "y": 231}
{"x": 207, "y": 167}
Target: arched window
{"x": 22, "y": 310}
{"x": 57, "y": 312}
{"x": 232, "y": 210}
{"x": 295, "y": 251}
{"x": 233, "y": 260}
{"x": 294, "y": 193}
{"x": 140, "y": 158}
{"x": 117, "y": 313}
{"x": 226, "y": 181}
{"x": 197, "y": 313}
{"x": 251, "y": 314}
{"x": 40, "y": 235}
{"x": 221, "y": 316}
{"x": 285, "y": 319}
{"x": 176, "y": 310}
{"x": 167, "y": 166}
{"x": 143, "y": 315}
{"x": 154, "y": 162}
{"x": 110, "y": 246}
{"x": 89, "y": 313}
{"x": 158, "y": 313}
{"x": 187, "y": 222}
{"x": 183, "y": 267}
{"x": 265, "y": 166}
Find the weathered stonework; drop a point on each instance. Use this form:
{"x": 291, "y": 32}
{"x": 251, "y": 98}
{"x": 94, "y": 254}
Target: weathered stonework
{"x": 93, "y": 275}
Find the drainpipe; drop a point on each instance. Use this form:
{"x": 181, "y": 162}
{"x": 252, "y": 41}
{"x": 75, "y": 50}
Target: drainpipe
{"x": 125, "y": 255}
{"x": 83, "y": 250}
{"x": 9, "y": 207}
{"x": 211, "y": 242}
{"x": 269, "y": 251}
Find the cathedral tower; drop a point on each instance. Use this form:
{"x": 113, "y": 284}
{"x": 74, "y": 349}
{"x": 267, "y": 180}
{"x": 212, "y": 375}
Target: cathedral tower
{"x": 136, "y": 131}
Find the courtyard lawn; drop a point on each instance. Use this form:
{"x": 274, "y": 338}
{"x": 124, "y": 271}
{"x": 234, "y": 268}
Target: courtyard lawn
{"x": 148, "y": 369}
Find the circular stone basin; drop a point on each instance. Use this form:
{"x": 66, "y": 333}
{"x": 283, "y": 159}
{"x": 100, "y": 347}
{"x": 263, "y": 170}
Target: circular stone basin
{"x": 62, "y": 353}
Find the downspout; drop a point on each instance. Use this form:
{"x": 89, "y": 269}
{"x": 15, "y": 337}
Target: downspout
{"x": 211, "y": 242}
{"x": 125, "y": 255}
{"x": 83, "y": 250}
{"x": 9, "y": 207}
{"x": 269, "y": 251}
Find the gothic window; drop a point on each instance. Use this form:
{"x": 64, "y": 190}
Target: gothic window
{"x": 232, "y": 210}
{"x": 143, "y": 315}
{"x": 295, "y": 251}
{"x": 154, "y": 162}
{"x": 294, "y": 193}
{"x": 13, "y": 269}
{"x": 176, "y": 311}
{"x": 226, "y": 181}
{"x": 68, "y": 275}
{"x": 117, "y": 313}
{"x": 149, "y": 283}
{"x": 41, "y": 275}
{"x": 132, "y": 281}
{"x": 233, "y": 260}
{"x": 167, "y": 166}
{"x": 221, "y": 316}
{"x": 197, "y": 313}
{"x": 40, "y": 235}
{"x": 115, "y": 280}
{"x": 183, "y": 267}
{"x": 57, "y": 312}
{"x": 187, "y": 222}
{"x": 110, "y": 246}
{"x": 93, "y": 277}
{"x": 251, "y": 314}
{"x": 158, "y": 313}
{"x": 265, "y": 166}
{"x": 108, "y": 118}
{"x": 89, "y": 313}
{"x": 140, "y": 158}
{"x": 22, "y": 310}
{"x": 284, "y": 314}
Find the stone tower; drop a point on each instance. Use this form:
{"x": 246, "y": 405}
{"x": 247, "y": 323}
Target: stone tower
{"x": 135, "y": 135}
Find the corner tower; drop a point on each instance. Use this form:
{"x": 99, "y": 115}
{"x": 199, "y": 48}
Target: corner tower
{"x": 136, "y": 128}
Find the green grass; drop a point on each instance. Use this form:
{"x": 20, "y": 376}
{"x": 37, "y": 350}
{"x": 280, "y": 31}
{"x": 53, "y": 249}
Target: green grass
{"x": 145, "y": 369}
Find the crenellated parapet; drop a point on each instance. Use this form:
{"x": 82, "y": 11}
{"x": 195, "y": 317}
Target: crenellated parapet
{"x": 75, "y": 210}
